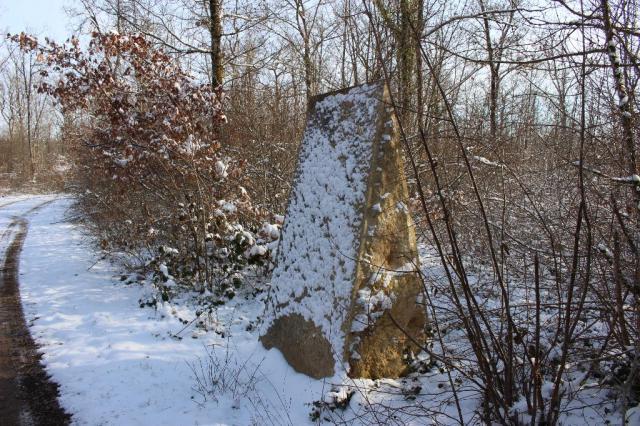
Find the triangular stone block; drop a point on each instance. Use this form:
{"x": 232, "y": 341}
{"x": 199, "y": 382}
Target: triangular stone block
{"x": 344, "y": 294}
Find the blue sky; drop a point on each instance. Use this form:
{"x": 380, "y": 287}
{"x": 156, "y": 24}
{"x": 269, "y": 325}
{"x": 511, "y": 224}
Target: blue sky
{"x": 40, "y": 17}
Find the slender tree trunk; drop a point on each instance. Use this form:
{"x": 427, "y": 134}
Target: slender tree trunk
{"x": 308, "y": 70}
{"x": 406, "y": 54}
{"x": 307, "y": 60}
{"x": 624, "y": 101}
{"x": 494, "y": 78}
{"x": 418, "y": 56}
{"x": 626, "y": 116}
{"x": 215, "y": 31}
{"x": 27, "y": 77}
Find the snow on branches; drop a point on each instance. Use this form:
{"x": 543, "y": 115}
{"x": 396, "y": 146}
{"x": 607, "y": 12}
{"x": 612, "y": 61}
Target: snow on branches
{"x": 149, "y": 153}
{"x": 138, "y": 108}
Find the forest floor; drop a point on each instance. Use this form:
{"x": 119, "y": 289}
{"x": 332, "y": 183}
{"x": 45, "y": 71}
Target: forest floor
{"x": 121, "y": 356}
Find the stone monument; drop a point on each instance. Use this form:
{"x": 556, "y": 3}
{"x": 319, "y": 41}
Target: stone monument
{"x": 344, "y": 294}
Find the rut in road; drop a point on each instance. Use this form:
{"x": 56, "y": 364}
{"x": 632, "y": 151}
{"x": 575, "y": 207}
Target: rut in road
{"x": 27, "y": 395}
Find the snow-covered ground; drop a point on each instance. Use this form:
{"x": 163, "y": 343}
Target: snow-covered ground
{"x": 123, "y": 361}
{"x": 120, "y": 364}
{"x": 14, "y": 205}
{"x": 11, "y": 198}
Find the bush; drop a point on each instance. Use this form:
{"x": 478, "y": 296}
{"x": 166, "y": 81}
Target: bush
{"x": 149, "y": 170}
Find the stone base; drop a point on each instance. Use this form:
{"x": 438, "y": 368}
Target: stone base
{"x": 302, "y": 344}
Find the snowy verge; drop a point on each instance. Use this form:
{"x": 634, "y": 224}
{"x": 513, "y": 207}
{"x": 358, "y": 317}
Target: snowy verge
{"x": 119, "y": 364}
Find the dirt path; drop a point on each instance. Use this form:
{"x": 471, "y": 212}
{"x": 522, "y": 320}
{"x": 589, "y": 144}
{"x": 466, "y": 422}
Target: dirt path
{"x": 27, "y": 396}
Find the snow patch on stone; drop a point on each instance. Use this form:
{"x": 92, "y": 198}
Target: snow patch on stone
{"x": 320, "y": 239}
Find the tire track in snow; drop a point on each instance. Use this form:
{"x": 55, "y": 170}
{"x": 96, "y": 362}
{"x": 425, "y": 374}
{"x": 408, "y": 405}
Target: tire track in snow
{"x": 10, "y": 203}
{"x": 27, "y": 396}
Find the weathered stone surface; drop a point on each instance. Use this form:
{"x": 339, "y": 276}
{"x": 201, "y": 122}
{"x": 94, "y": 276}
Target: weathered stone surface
{"x": 302, "y": 344}
{"x": 344, "y": 292}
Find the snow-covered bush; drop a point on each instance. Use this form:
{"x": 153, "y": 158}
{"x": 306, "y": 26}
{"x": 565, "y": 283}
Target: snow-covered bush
{"x": 230, "y": 250}
{"x": 149, "y": 170}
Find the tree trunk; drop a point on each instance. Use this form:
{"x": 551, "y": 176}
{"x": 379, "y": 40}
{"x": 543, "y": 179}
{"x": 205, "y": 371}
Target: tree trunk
{"x": 406, "y": 54}
{"x": 215, "y": 31}
{"x": 494, "y": 78}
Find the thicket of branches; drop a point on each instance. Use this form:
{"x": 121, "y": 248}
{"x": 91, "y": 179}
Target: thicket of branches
{"x": 521, "y": 132}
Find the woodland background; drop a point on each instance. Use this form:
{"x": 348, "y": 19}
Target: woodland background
{"x": 177, "y": 124}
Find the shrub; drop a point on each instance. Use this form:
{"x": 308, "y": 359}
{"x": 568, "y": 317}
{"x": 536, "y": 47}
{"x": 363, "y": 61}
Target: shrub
{"x": 149, "y": 169}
